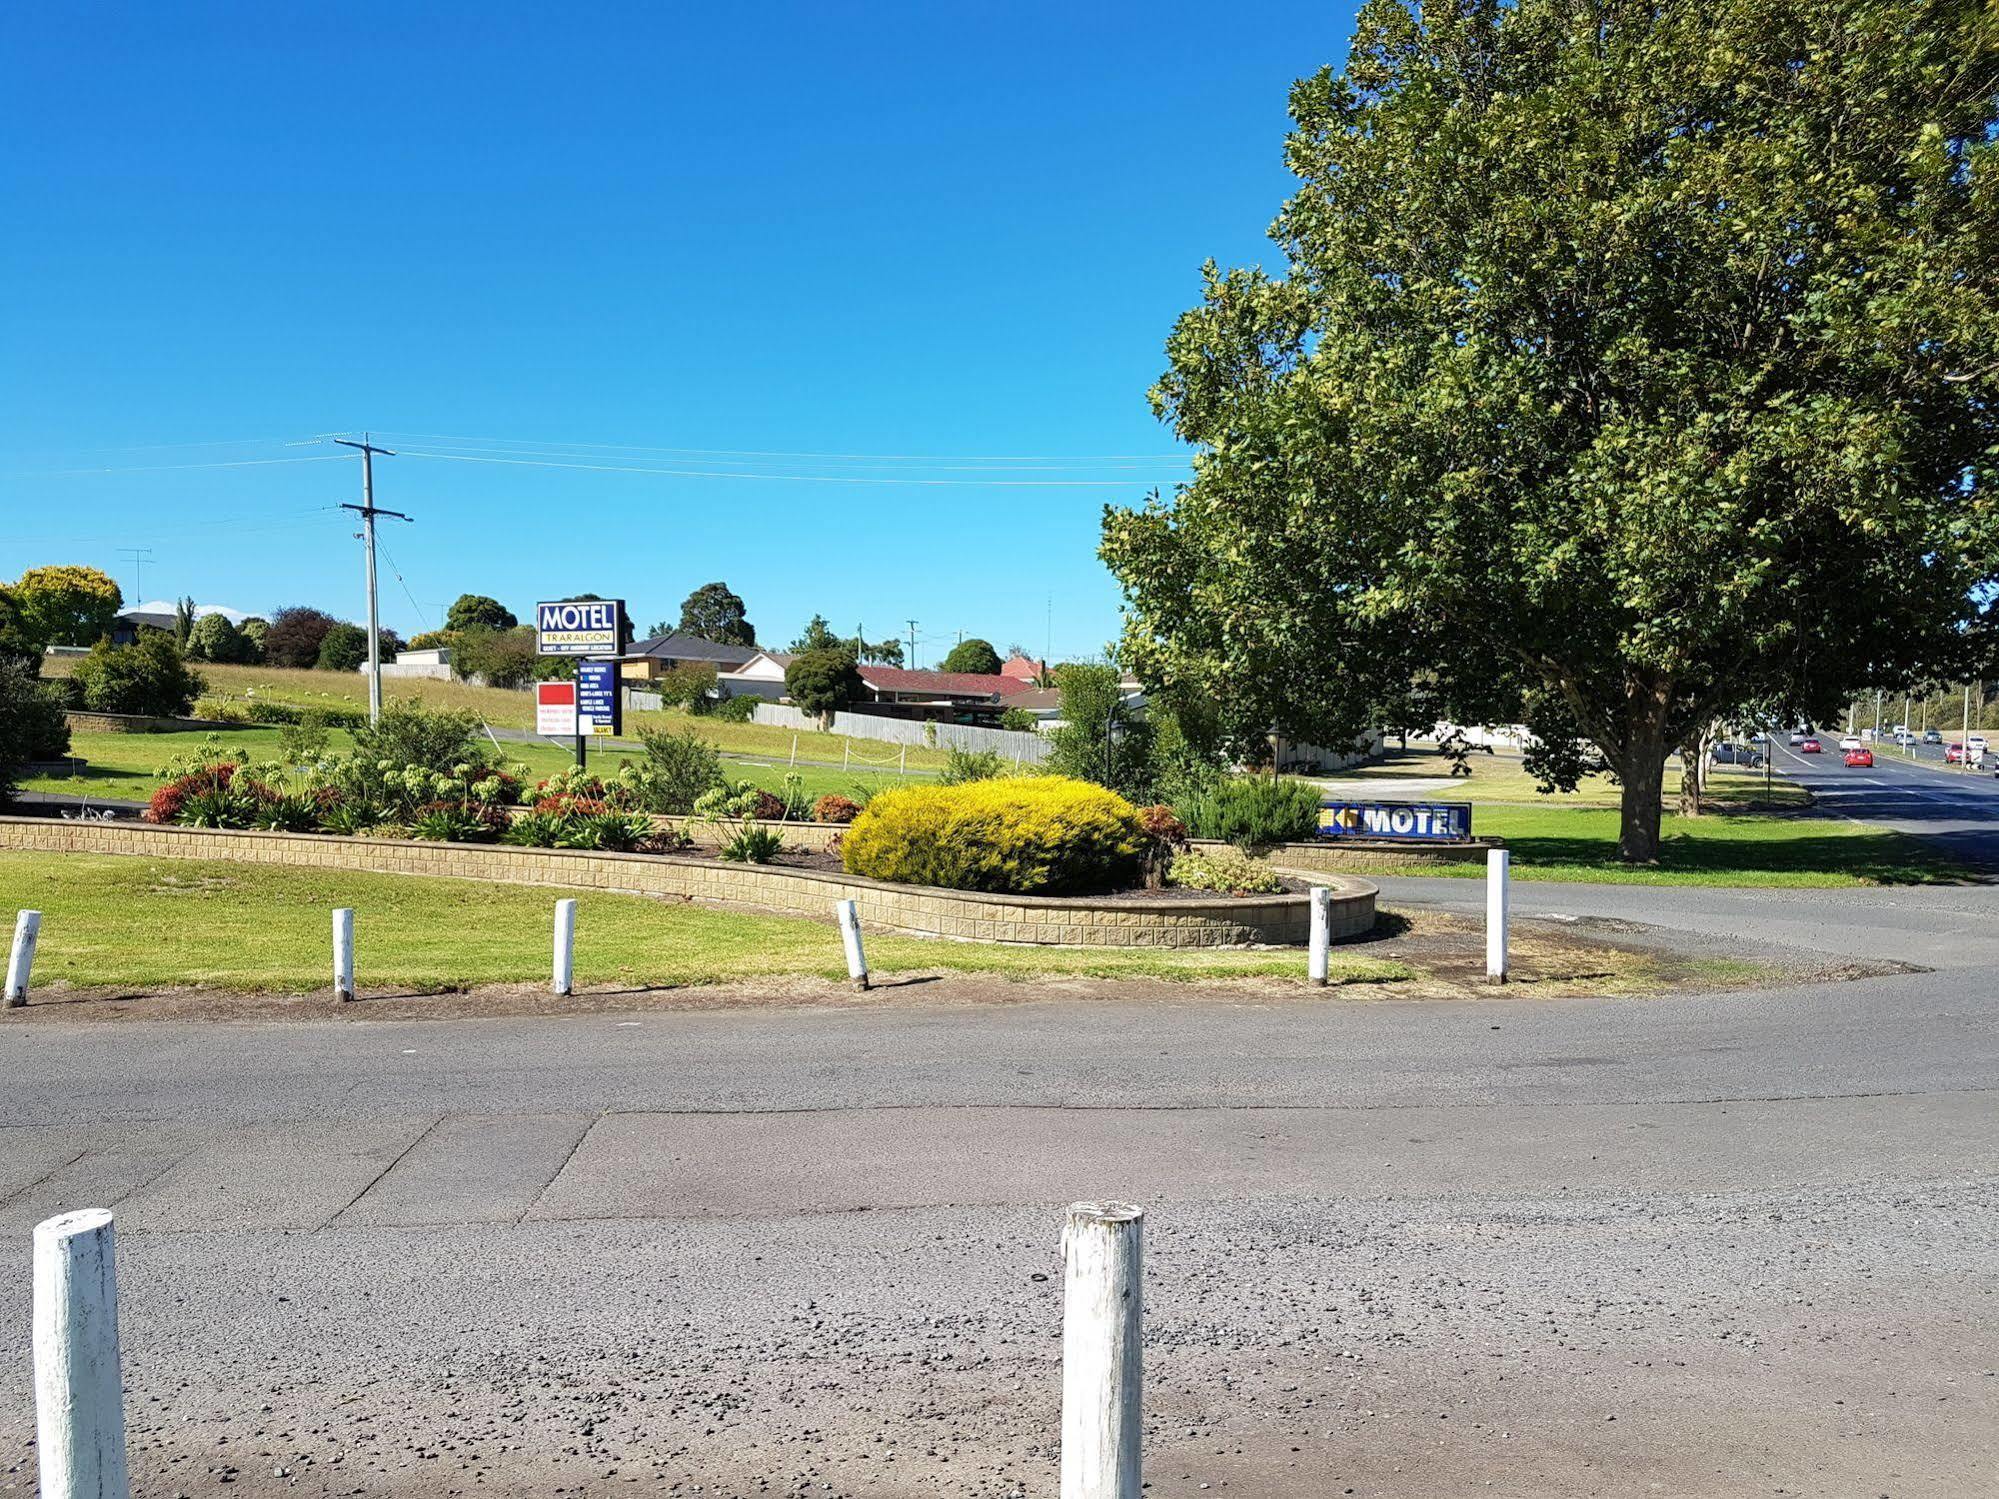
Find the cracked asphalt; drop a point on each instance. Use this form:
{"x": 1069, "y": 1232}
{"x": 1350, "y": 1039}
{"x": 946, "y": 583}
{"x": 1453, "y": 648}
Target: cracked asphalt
{"x": 1704, "y": 1244}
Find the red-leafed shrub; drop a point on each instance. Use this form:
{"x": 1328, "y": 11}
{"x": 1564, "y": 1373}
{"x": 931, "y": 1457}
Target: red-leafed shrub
{"x": 769, "y": 807}
{"x": 169, "y": 799}
{"x": 582, "y": 806}
{"x": 835, "y": 808}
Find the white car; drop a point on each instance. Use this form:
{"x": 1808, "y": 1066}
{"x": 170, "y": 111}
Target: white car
{"x": 1797, "y": 738}
{"x": 1850, "y": 742}
{"x": 1976, "y": 743}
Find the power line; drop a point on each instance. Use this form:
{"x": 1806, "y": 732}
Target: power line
{"x": 539, "y": 444}
{"x": 161, "y": 468}
{"x": 676, "y": 473}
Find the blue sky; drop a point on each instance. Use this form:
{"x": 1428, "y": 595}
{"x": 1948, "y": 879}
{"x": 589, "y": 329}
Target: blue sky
{"x": 601, "y": 262}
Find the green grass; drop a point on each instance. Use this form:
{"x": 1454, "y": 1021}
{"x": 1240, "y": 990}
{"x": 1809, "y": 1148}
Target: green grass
{"x": 125, "y": 766}
{"x": 156, "y": 923}
{"x": 1501, "y": 777}
{"x": 1580, "y": 844}
{"x": 515, "y": 710}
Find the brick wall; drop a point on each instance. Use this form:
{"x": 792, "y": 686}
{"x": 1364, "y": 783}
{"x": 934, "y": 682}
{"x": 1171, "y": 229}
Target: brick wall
{"x": 1106, "y": 922}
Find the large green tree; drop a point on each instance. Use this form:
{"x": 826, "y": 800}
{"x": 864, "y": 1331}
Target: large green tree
{"x": 1633, "y": 364}
{"x": 974, "y": 655}
{"x": 712, "y": 612}
{"x": 65, "y": 605}
{"x": 477, "y": 610}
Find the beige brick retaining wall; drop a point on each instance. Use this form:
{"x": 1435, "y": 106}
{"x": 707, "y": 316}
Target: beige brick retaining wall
{"x": 1102, "y": 922}
{"x": 139, "y": 723}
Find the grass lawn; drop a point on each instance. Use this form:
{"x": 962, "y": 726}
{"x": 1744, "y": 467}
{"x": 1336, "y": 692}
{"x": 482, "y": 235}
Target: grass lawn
{"x": 515, "y": 710}
{"x": 1580, "y": 844}
{"x": 125, "y": 766}
{"x": 171, "y": 922}
{"x": 1500, "y": 777}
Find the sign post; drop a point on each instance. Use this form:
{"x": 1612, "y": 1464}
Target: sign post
{"x": 583, "y": 629}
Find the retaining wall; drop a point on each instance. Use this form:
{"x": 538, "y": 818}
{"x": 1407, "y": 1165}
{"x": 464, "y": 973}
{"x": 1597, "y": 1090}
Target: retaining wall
{"x": 1363, "y": 855}
{"x": 919, "y": 910}
{"x": 140, "y": 723}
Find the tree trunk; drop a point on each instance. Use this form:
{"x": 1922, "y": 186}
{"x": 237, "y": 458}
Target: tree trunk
{"x": 1693, "y": 771}
{"x": 1643, "y": 774}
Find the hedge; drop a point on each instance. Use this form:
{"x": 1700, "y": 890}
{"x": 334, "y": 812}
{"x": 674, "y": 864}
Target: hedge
{"x": 1021, "y": 835}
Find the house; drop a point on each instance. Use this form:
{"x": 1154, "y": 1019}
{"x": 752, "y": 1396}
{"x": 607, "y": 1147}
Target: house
{"x": 1026, "y": 669}
{"x": 947, "y": 696}
{"x": 160, "y": 614}
{"x": 648, "y": 660}
{"x": 760, "y": 676}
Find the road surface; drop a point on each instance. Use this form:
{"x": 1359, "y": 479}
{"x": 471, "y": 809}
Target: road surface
{"x": 1698, "y": 1245}
{"x": 1955, "y": 808}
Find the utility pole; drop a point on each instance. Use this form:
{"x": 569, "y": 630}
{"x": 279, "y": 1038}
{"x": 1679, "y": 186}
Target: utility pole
{"x": 1964, "y": 740}
{"x": 139, "y": 556}
{"x": 367, "y": 511}
{"x": 912, "y": 645}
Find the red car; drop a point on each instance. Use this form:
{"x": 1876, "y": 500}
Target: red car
{"x": 1861, "y": 758}
{"x": 1810, "y": 747}
{"x": 1953, "y": 754}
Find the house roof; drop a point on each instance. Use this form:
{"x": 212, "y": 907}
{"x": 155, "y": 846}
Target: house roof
{"x": 160, "y": 613}
{"x": 941, "y": 683}
{"x": 678, "y": 647}
{"x": 776, "y": 658}
{"x": 1026, "y": 668}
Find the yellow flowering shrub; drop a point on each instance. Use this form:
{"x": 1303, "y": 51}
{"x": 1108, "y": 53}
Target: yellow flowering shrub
{"x": 1019, "y": 835}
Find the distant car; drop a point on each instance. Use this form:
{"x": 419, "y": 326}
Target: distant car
{"x": 1976, "y": 743}
{"x": 1797, "y": 738}
{"x": 1953, "y": 753}
{"x": 1810, "y": 747}
{"x": 1932, "y": 736}
{"x": 1861, "y": 758}
{"x": 1850, "y": 742}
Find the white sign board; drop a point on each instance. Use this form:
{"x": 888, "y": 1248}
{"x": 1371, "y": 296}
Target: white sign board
{"x": 580, "y": 627}
{"x": 555, "y": 709}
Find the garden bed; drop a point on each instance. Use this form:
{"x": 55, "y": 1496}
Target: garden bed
{"x": 1180, "y": 919}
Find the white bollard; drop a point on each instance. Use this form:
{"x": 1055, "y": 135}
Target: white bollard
{"x": 565, "y": 946}
{"x": 1496, "y": 864}
{"x": 343, "y": 954}
{"x": 79, "y": 1396}
{"x": 850, "y": 937}
{"x": 21, "y": 961}
{"x": 1102, "y": 1364}
{"x": 1320, "y": 962}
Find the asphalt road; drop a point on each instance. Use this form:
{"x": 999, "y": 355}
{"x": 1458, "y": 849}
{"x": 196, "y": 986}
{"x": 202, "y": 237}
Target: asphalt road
{"x": 1696, "y": 1245}
{"x": 1956, "y": 808}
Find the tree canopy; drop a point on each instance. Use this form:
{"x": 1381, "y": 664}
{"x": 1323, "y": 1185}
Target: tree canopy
{"x": 972, "y": 655}
{"x": 818, "y": 636}
{"x": 476, "y": 609}
{"x": 65, "y": 605}
{"x": 712, "y": 612}
{"x": 1632, "y": 365}
{"x": 293, "y": 636}
{"x": 823, "y": 681}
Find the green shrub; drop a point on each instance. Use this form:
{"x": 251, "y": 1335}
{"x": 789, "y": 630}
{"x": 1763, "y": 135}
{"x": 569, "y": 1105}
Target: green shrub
{"x": 302, "y": 742}
{"x": 342, "y": 648}
{"x": 1250, "y": 811}
{"x": 677, "y": 768}
{"x": 148, "y": 678}
{"x": 753, "y": 844}
{"x": 1226, "y": 870}
{"x": 499, "y": 658}
{"x": 797, "y": 800}
{"x": 734, "y": 709}
{"x": 214, "y": 638}
{"x": 32, "y": 726}
{"x": 410, "y": 734}
{"x": 963, "y": 766}
{"x": 1042, "y": 835}
{"x": 1020, "y": 720}
{"x": 686, "y": 685}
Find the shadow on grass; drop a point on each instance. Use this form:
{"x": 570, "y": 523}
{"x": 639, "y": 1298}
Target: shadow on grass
{"x": 1884, "y": 858}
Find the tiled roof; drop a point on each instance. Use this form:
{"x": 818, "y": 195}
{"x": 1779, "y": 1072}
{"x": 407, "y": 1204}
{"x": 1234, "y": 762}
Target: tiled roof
{"x": 942, "y": 683}
{"x": 679, "y": 647}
